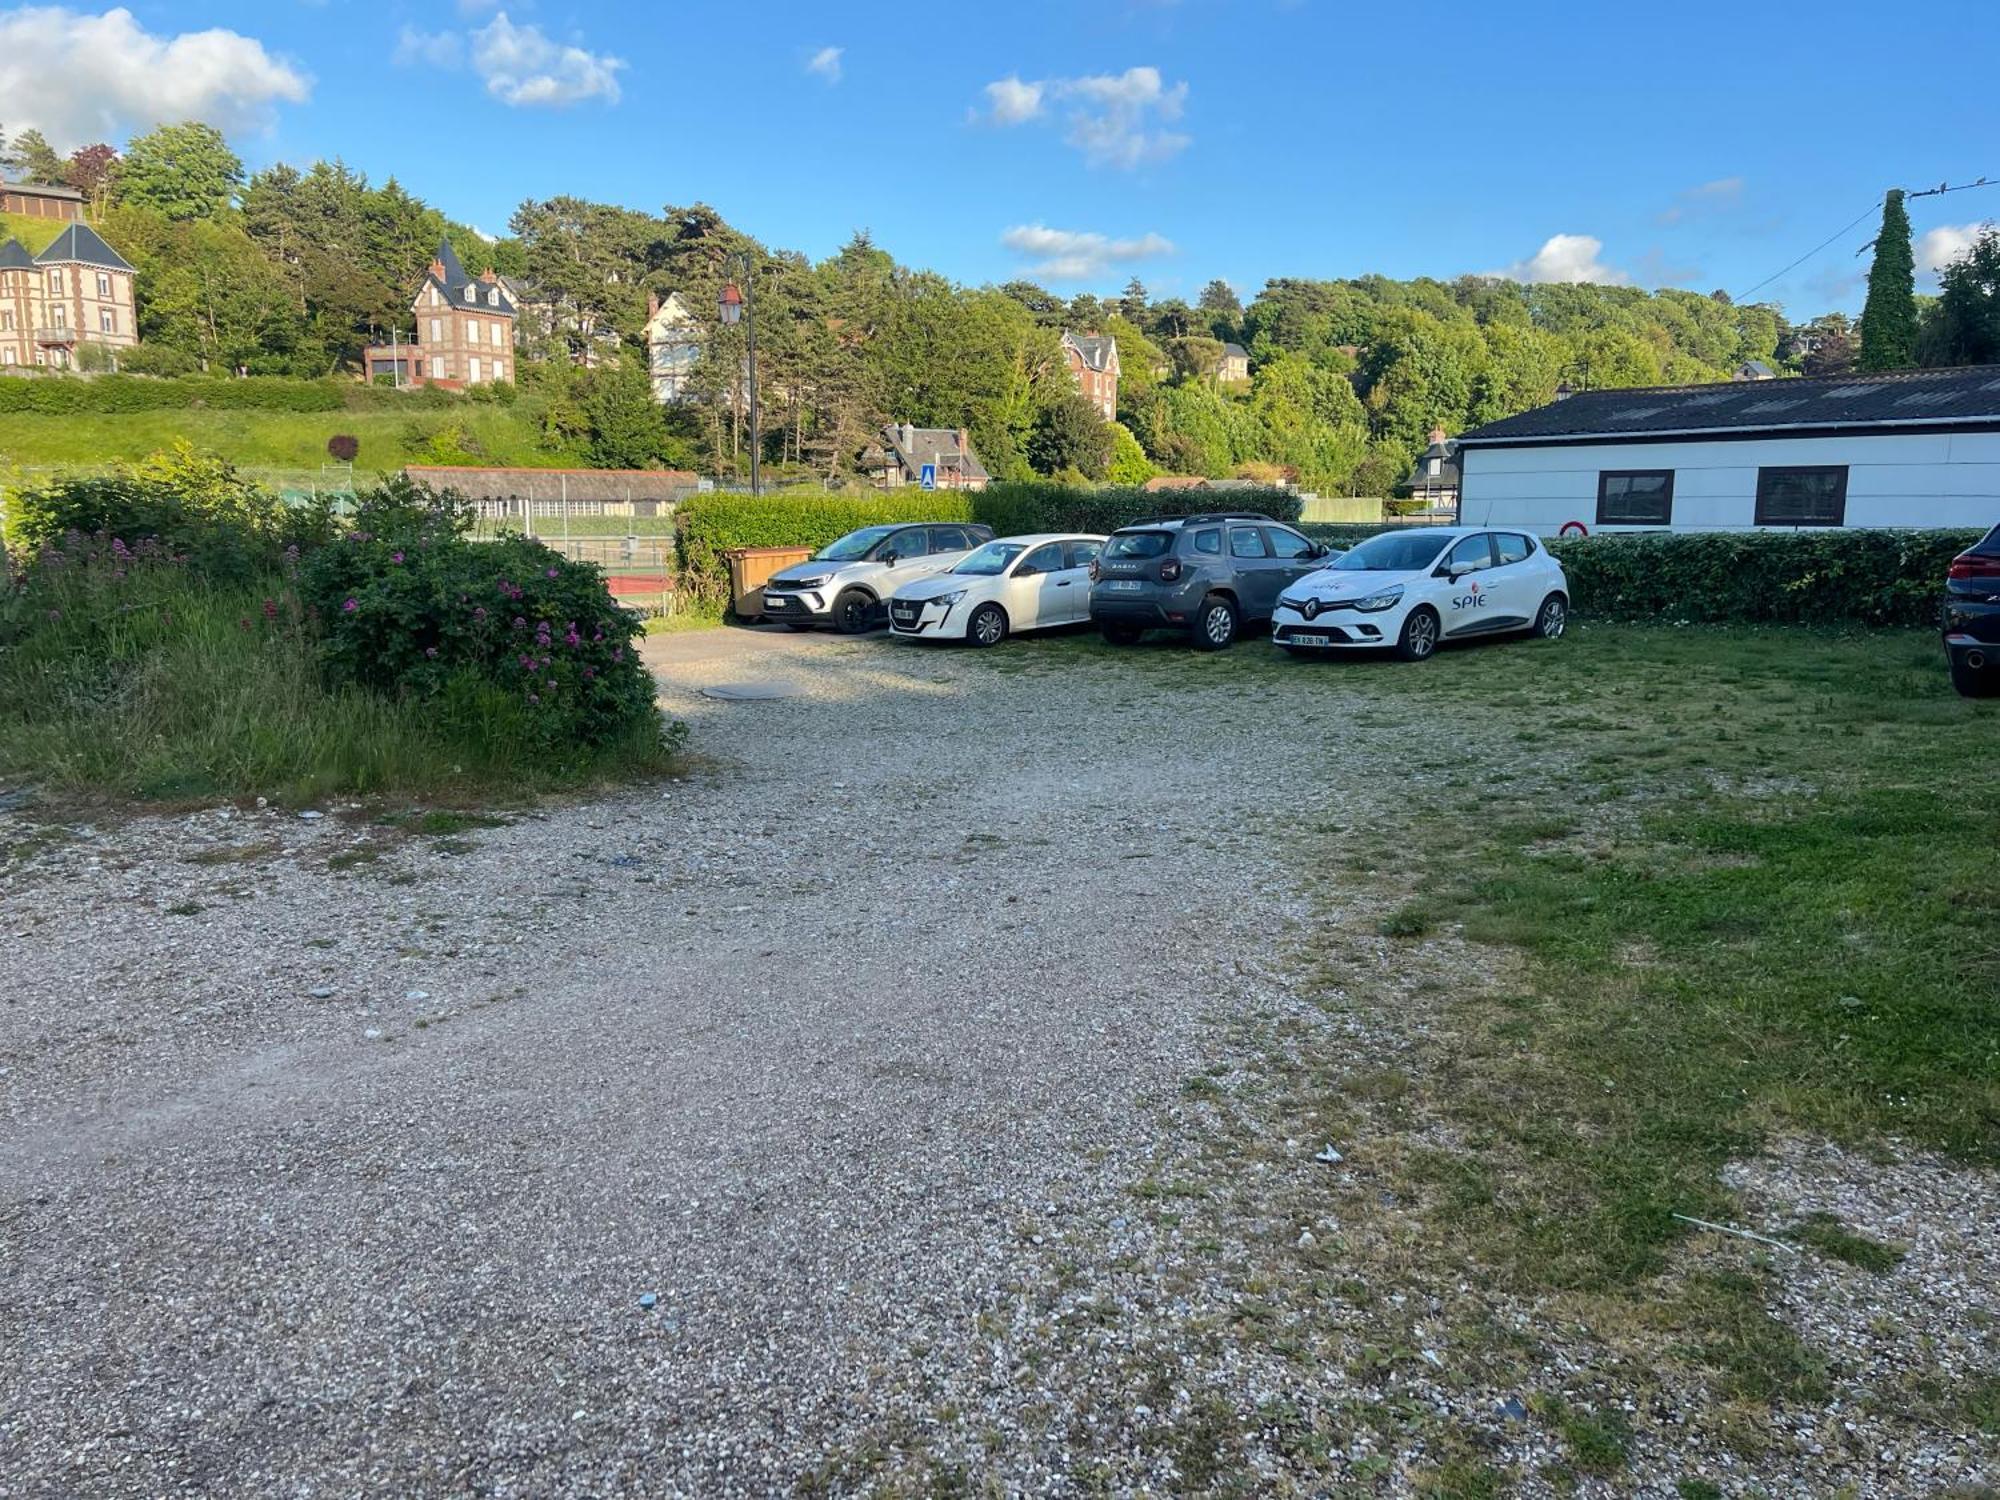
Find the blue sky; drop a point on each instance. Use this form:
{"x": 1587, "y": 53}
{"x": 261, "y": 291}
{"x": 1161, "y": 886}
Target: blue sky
{"x": 1084, "y": 141}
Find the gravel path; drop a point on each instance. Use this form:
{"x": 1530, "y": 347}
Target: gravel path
{"x": 356, "y": 1184}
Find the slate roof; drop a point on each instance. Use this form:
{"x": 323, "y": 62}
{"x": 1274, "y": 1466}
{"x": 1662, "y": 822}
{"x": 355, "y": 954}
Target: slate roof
{"x": 79, "y": 244}
{"x": 42, "y": 190}
{"x": 923, "y": 442}
{"x": 467, "y": 293}
{"x": 1965, "y": 394}
{"x": 14, "y": 257}
{"x": 1235, "y": 351}
{"x": 1095, "y": 349}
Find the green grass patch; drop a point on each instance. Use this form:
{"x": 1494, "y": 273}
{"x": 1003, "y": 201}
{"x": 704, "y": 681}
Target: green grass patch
{"x": 1826, "y": 1234}
{"x": 1755, "y": 895}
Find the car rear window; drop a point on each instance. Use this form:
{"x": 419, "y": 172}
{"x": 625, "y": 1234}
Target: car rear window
{"x": 1139, "y": 544}
{"x": 1989, "y": 545}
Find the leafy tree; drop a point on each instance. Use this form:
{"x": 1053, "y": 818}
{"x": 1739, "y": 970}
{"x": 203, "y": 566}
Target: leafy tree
{"x": 1963, "y": 326}
{"x": 182, "y": 171}
{"x": 1069, "y": 434}
{"x": 1889, "y": 316}
{"x": 1172, "y": 319}
{"x": 1132, "y": 305}
{"x": 35, "y": 160}
{"x": 90, "y": 169}
{"x": 627, "y": 427}
{"x": 1222, "y": 310}
{"x": 1128, "y": 463}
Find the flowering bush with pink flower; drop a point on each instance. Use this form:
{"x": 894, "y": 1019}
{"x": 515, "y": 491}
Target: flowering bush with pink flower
{"x": 506, "y": 631}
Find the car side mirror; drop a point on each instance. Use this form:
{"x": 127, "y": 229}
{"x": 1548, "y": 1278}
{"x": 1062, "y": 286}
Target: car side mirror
{"x": 889, "y": 559}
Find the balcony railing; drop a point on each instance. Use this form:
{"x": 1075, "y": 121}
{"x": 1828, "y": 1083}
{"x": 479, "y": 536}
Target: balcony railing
{"x": 50, "y": 338}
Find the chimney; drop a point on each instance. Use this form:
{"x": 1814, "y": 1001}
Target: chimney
{"x": 964, "y": 443}
{"x": 490, "y": 276}
{"x": 1437, "y": 436}
{"x": 437, "y": 269}
{"x": 907, "y": 435}
{"x": 652, "y": 306}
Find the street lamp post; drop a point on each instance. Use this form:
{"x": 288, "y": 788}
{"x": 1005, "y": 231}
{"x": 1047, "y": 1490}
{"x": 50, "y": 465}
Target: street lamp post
{"x": 741, "y": 305}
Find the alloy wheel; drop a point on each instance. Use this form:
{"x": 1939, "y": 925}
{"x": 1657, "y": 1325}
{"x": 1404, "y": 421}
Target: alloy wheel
{"x": 1218, "y": 624}
{"x": 1554, "y": 618}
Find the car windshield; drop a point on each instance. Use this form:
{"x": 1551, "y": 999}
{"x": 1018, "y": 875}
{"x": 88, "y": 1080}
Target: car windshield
{"x": 1393, "y": 552}
{"x": 991, "y": 560}
{"x": 854, "y": 545}
{"x": 1139, "y": 544}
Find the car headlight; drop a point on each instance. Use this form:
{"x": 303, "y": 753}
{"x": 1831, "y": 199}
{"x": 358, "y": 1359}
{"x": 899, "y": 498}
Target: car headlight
{"x": 817, "y": 581}
{"x": 1384, "y": 600}
{"x": 948, "y": 599}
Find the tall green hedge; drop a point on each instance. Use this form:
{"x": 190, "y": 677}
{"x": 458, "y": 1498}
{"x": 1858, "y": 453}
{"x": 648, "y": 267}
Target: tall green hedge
{"x": 62, "y": 396}
{"x": 709, "y": 525}
{"x": 1767, "y": 577}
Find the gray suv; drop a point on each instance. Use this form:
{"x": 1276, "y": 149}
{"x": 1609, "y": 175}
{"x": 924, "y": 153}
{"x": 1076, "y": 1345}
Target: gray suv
{"x": 1209, "y": 575}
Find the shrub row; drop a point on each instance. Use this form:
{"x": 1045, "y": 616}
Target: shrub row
{"x": 130, "y": 393}
{"x": 1763, "y": 577}
{"x": 709, "y": 525}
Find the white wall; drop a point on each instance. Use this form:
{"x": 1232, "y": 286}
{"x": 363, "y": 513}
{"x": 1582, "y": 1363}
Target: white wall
{"x": 1935, "y": 479}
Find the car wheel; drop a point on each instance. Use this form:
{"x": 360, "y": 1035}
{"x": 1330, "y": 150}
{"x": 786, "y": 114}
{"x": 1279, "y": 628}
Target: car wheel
{"x": 1974, "y": 682}
{"x": 853, "y": 612}
{"x": 1420, "y": 635}
{"x": 1119, "y": 635}
{"x": 1215, "y": 623}
{"x": 1552, "y": 617}
{"x": 988, "y": 625}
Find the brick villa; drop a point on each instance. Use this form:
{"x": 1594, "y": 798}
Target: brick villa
{"x": 464, "y": 335}
{"x": 77, "y": 291}
{"x": 1093, "y": 361}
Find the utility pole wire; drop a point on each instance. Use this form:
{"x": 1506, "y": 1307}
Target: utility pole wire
{"x": 1938, "y": 191}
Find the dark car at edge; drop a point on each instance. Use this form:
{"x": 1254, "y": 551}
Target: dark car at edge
{"x": 1972, "y": 617}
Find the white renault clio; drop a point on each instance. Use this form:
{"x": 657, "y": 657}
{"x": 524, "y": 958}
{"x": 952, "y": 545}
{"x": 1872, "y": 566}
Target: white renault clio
{"x": 1017, "y": 583}
{"x": 1411, "y": 590}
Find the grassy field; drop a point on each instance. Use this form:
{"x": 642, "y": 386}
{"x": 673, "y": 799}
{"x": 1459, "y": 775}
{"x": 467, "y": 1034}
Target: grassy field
{"x": 1650, "y": 902}
{"x": 34, "y": 233}
{"x": 259, "y": 439}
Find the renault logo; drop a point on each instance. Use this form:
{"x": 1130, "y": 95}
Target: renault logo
{"x": 1310, "y": 608}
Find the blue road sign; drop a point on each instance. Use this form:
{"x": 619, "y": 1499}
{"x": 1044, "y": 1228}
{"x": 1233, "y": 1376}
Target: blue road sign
{"x": 927, "y": 477}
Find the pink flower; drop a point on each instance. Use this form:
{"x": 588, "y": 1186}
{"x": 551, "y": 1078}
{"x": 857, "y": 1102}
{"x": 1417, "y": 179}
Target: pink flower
{"x": 349, "y": 607}
{"x": 479, "y": 613}
{"x": 431, "y": 652}
{"x": 270, "y": 609}
{"x": 395, "y": 557}
{"x": 552, "y": 573}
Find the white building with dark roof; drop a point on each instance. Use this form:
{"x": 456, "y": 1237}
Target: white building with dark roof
{"x": 1916, "y": 448}
{"x": 78, "y": 291}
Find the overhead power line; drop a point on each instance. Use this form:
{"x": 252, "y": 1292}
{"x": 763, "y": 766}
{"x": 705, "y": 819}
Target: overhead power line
{"x": 1937, "y": 191}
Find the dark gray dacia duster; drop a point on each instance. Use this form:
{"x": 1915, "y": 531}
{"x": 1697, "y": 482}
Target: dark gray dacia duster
{"x": 1208, "y": 575}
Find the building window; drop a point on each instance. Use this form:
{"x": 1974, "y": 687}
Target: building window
{"x": 107, "y": 320}
{"x": 7, "y": 320}
{"x": 499, "y": 340}
{"x": 59, "y": 316}
{"x": 1814, "y": 496}
{"x": 437, "y": 369}
{"x": 499, "y": 369}
{"x": 1635, "y": 497}
{"x": 471, "y": 330}
{"x": 103, "y": 285}
{"x": 6, "y": 356}
{"x": 472, "y": 370}
{"x": 56, "y": 282}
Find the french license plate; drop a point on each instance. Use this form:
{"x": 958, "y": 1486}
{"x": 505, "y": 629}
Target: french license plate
{"x": 1308, "y": 640}
{"x": 777, "y": 601}
{"x": 906, "y": 617}
{"x": 1125, "y": 585}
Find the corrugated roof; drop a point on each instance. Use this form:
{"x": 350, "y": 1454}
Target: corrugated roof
{"x": 1966, "y": 393}
{"x": 79, "y": 244}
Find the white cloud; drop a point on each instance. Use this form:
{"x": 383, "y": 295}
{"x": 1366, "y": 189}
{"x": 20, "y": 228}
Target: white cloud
{"x": 1707, "y": 197}
{"x": 520, "y": 66}
{"x": 826, "y": 63}
{"x": 1114, "y": 119}
{"x": 1939, "y": 247}
{"x": 1014, "y": 102}
{"x": 436, "y": 49}
{"x": 1564, "y": 257}
{"x": 1077, "y": 254}
{"x": 79, "y": 78}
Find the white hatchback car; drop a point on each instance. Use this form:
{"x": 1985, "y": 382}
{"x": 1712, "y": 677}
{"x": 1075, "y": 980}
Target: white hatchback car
{"x": 1017, "y": 583}
{"x": 1411, "y": 590}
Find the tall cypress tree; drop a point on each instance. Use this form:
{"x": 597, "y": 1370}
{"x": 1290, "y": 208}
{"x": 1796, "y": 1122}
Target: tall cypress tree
{"x": 1889, "y": 317}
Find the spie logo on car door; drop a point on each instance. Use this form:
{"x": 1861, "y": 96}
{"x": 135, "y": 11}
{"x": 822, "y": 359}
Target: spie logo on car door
{"x": 1470, "y": 599}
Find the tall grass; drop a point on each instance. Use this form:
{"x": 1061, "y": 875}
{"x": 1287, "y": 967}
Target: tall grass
{"x": 124, "y": 672}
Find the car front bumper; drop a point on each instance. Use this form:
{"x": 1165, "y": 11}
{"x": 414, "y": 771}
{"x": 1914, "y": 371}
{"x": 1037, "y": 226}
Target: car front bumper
{"x": 1334, "y": 629}
{"x": 926, "y": 619}
{"x": 805, "y": 608}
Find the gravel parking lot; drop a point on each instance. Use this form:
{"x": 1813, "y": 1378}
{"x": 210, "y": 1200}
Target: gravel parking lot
{"x": 360, "y": 1180}
{"x": 838, "y": 1118}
